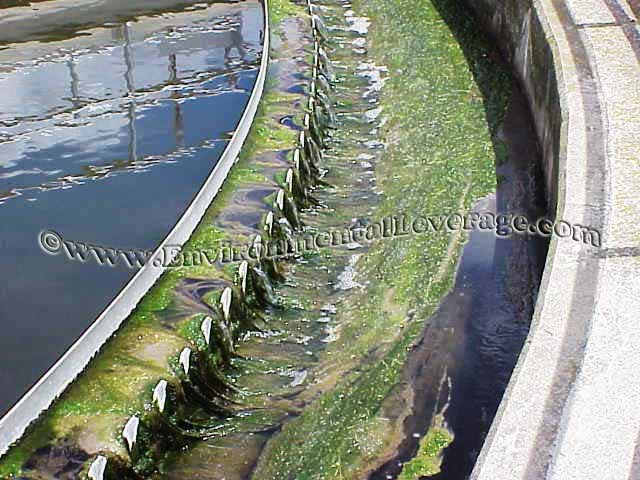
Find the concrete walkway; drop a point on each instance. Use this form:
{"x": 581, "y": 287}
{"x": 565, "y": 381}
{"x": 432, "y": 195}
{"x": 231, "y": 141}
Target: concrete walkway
{"x": 572, "y": 409}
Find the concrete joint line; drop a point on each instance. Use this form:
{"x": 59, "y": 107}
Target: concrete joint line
{"x": 606, "y": 24}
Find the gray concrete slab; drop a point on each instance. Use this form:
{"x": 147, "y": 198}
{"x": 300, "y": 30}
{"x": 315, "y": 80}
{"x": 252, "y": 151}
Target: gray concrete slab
{"x": 590, "y": 12}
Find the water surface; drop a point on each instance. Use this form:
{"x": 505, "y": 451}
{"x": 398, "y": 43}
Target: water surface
{"x": 106, "y": 135}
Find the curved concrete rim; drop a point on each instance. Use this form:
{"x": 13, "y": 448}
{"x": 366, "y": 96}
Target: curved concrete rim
{"x": 571, "y": 408}
{"x": 55, "y": 381}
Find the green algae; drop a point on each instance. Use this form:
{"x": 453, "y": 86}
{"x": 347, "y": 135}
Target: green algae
{"x": 281, "y": 9}
{"x": 429, "y": 457}
{"x": 268, "y": 135}
{"x": 445, "y": 98}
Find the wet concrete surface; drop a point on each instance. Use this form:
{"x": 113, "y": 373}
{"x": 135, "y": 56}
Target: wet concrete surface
{"x": 461, "y": 366}
{"x": 105, "y": 137}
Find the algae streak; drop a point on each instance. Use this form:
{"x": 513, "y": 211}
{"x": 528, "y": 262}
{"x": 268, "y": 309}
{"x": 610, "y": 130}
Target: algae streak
{"x": 429, "y": 457}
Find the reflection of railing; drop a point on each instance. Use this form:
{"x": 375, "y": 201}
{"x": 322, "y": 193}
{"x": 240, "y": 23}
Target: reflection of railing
{"x": 172, "y": 80}
{"x": 131, "y": 88}
{"x": 75, "y": 360}
{"x": 225, "y": 42}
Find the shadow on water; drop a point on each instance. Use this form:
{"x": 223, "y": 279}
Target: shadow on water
{"x": 461, "y": 366}
{"x": 498, "y": 279}
{"x": 491, "y": 306}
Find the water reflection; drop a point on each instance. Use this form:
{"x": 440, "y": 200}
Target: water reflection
{"x": 106, "y": 137}
{"x": 86, "y": 113}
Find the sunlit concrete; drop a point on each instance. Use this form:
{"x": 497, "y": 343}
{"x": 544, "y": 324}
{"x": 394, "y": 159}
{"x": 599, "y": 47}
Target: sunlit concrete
{"x": 571, "y": 409}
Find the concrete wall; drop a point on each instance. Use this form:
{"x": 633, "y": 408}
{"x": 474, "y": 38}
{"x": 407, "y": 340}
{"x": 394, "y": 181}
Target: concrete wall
{"x": 571, "y": 408}
{"x": 524, "y": 45}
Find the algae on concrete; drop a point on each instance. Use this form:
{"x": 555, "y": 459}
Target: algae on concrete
{"x": 443, "y": 99}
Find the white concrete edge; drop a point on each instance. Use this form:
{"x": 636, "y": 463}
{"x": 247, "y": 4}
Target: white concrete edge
{"x": 510, "y": 448}
{"x": 54, "y": 382}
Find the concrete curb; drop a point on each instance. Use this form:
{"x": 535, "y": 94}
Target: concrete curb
{"x": 40, "y": 397}
{"x": 571, "y": 408}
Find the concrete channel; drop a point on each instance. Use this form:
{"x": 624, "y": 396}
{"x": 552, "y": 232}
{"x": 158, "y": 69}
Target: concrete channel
{"x": 570, "y": 411}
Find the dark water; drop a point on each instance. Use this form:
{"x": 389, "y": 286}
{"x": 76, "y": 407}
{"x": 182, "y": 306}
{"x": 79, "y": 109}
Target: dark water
{"x": 497, "y": 281}
{"x": 463, "y": 362}
{"x": 105, "y": 137}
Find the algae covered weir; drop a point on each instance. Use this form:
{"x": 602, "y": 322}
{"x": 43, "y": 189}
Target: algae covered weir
{"x": 323, "y": 343}
{"x": 110, "y": 121}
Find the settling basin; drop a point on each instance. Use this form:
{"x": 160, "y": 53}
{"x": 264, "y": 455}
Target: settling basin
{"x": 109, "y": 125}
